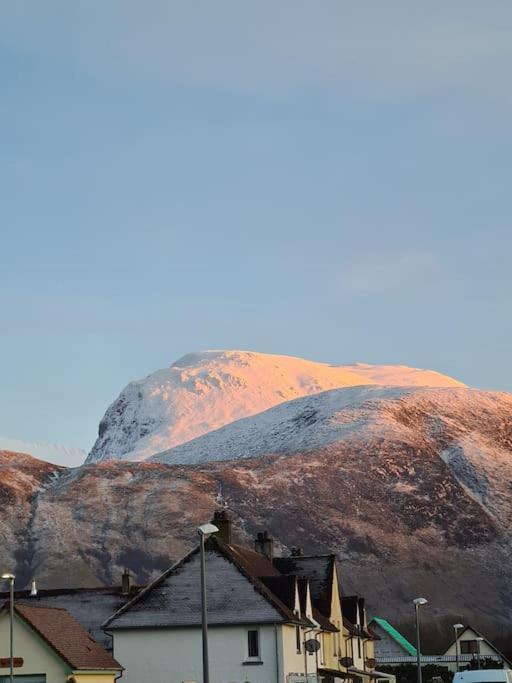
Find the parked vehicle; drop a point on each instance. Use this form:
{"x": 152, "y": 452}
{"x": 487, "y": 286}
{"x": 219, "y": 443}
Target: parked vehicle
{"x": 484, "y": 676}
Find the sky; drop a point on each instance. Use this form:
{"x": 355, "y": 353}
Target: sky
{"x": 329, "y": 180}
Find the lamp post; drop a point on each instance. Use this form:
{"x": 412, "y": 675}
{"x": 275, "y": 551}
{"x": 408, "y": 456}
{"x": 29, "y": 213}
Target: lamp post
{"x": 204, "y": 531}
{"x": 456, "y": 628}
{"x": 418, "y": 602}
{"x": 10, "y": 578}
{"x": 478, "y": 641}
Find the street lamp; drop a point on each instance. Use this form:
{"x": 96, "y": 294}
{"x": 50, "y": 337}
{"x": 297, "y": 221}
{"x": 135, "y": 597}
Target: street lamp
{"x": 478, "y": 640}
{"x": 10, "y": 578}
{"x": 418, "y": 602}
{"x": 204, "y": 531}
{"x": 456, "y": 628}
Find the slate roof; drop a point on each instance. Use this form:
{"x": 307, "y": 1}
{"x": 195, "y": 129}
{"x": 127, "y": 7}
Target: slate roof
{"x": 284, "y": 587}
{"x": 236, "y": 592}
{"x": 90, "y": 606}
{"x": 353, "y": 611}
{"x": 318, "y": 569}
{"x": 67, "y": 637}
{"x": 350, "y": 607}
{"x": 395, "y": 635}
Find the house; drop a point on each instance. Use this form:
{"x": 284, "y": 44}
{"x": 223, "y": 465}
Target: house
{"x": 53, "y": 648}
{"x": 391, "y": 643}
{"x": 262, "y": 611}
{"x": 392, "y": 648}
{"x": 360, "y": 642}
{"x": 89, "y": 606}
{"x": 472, "y": 645}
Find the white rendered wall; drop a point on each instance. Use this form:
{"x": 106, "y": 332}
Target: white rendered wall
{"x": 485, "y": 649}
{"x": 175, "y": 655}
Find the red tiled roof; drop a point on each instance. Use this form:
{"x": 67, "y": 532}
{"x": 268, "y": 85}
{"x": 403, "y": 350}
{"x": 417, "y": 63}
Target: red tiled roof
{"x": 67, "y": 637}
{"x": 253, "y": 562}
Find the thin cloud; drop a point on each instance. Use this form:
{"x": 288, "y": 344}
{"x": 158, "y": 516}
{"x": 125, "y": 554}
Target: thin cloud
{"x": 387, "y": 271}
{"x": 374, "y": 48}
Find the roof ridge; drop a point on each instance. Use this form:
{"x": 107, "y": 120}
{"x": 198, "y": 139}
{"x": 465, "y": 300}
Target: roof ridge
{"x": 25, "y": 606}
{"x": 305, "y": 557}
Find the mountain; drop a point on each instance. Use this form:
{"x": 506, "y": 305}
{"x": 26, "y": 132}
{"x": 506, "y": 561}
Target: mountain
{"x": 68, "y": 456}
{"x": 405, "y": 474}
{"x": 422, "y": 507}
{"x": 204, "y": 391}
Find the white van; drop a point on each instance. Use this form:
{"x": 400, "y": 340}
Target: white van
{"x": 484, "y": 676}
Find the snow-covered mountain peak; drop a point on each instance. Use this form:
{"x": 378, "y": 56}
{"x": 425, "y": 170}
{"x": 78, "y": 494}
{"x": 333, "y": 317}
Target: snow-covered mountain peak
{"x": 206, "y": 390}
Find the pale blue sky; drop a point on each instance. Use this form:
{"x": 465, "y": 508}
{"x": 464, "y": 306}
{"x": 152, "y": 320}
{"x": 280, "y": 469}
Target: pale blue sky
{"x": 329, "y": 180}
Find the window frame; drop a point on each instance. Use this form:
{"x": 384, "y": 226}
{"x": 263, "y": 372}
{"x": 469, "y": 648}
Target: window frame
{"x": 298, "y": 639}
{"x": 253, "y": 657}
{"x": 472, "y": 645}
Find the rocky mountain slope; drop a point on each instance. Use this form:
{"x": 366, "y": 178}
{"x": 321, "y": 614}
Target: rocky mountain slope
{"x": 401, "y": 520}
{"x": 204, "y": 391}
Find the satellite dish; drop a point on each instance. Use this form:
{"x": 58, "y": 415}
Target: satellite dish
{"x": 312, "y": 645}
{"x": 346, "y": 662}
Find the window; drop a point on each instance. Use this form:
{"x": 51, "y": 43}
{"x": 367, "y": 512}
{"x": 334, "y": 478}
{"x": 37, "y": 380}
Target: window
{"x": 468, "y": 647}
{"x": 253, "y": 644}
{"x": 359, "y": 648}
{"x": 297, "y": 639}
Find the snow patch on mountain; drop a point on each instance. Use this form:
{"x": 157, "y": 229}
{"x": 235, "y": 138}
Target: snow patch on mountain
{"x": 69, "y": 456}
{"x": 354, "y": 415}
{"x": 204, "y": 391}
{"x": 303, "y": 424}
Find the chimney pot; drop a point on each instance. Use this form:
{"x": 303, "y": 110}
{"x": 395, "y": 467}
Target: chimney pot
{"x": 126, "y": 582}
{"x": 264, "y": 544}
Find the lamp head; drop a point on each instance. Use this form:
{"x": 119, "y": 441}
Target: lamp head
{"x": 206, "y": 530}
{"x": 8, "y": 577}
{"x": 420, "y": 601}
{"x": 457, "y": 626}
{"x": 480, "y": 639}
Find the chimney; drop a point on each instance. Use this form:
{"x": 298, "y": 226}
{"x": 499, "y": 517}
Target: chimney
{"x": 223, "y": 523}
{"x": 297, "y": 552}
{"x": 126, "y": 582}
{"x": 264, "y": 545}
